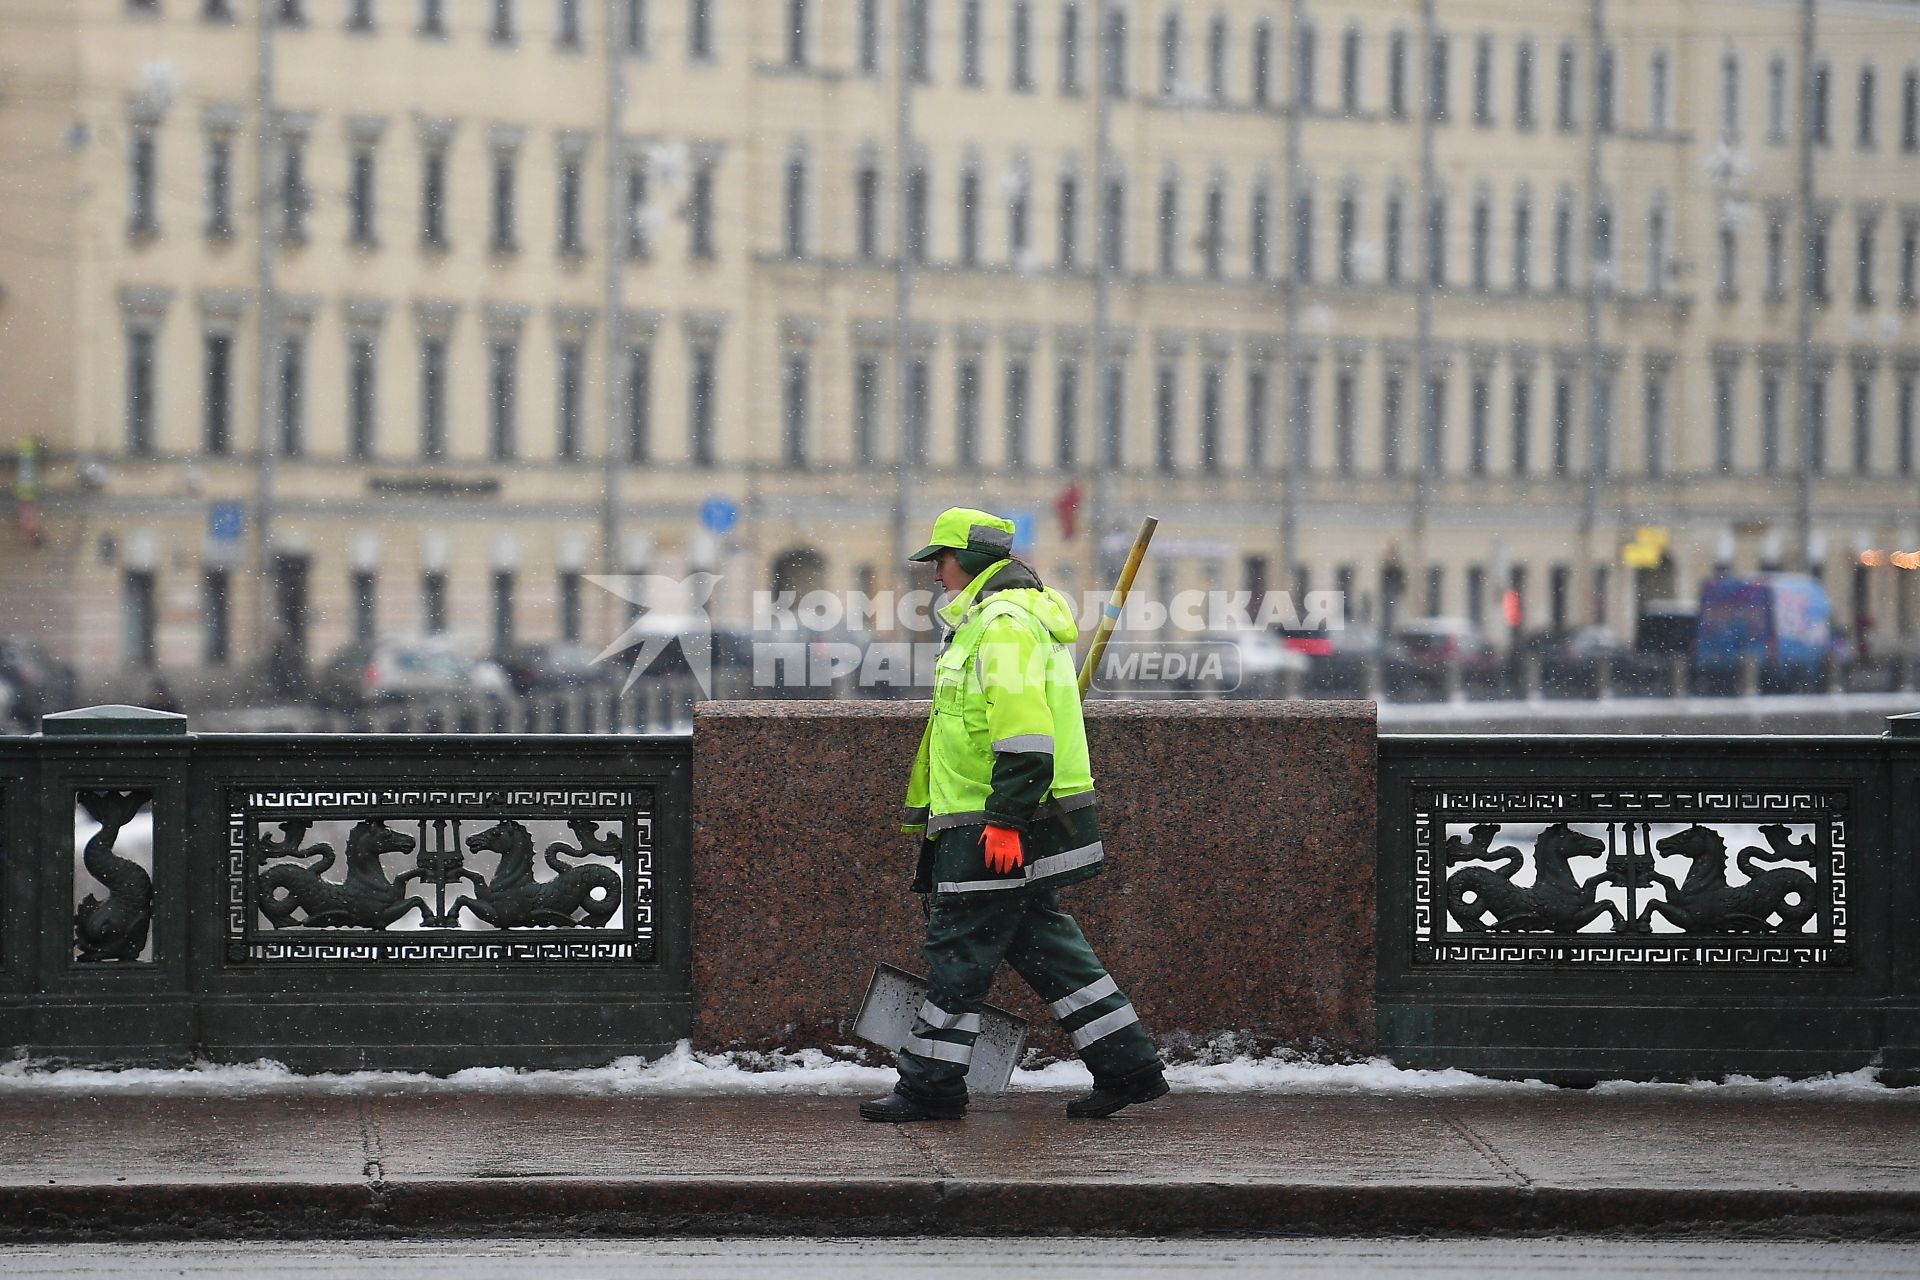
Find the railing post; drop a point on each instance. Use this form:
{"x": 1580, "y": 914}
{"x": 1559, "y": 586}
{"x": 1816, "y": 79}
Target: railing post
{"x": 1749, "y": 676}
{"x": 1530, "y": 677}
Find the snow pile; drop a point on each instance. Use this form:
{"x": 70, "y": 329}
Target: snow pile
{"x": 844, "y": 1072}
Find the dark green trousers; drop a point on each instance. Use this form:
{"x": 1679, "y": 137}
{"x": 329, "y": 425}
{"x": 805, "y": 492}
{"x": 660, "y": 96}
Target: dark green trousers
{"x": 968, "y": 935}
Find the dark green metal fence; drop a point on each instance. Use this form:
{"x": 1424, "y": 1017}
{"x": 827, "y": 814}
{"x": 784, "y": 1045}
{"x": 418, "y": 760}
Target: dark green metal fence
{"x": 1580, "y": 908}
{"x": 338, "y": 901}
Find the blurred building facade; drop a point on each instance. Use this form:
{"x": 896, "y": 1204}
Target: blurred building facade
{"x": 1442, "y": 304}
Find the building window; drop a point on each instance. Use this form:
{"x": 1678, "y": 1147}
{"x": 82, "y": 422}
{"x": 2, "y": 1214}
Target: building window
{"x": 216, "y": 610}
{"x": 361, "y": 390}
{"x": 700, "y": 30}
{"x": 638, "y": 402}
{"x": 1306, "y": 58}
{"x": 1113, "y": 226}
{"x": 1863, "y": 419}
{"x": 1602, "y": 425}
{"x": 1729, "y": 263}
{"x": 1068, "y": 220}
{"x": 1776, "y": 283}
{"x": 143, "y": 209}
{"x": 1603, "y": 90}
{"x": 1300, "y": 421}
{"x": 869, "y": 37}
{"x": 1019, "y": 209}
{"x": 1655, "y": 414}
{"x": 1433, "y": 424}
{"x": 1562, "y": 425}
{"x": 700, "y": 212}
{"x": 1114, "y": 52}
{"x": 1020, "y": 51}
{"x": 567, "y": 32}
{"x": 570, "y": 377}
{"x": 1169, "y": 226}
{"x": 1350, "y": 71}
{"x": 1070, "y": 48}
{"x": 1566, "y": 115}
{"x": 222, "y": 10}
{"x": 1521, "y": 425}
{"x": 1562, "y": 245}
{"x": 219, "y": 186}
{"x": 364, "y": 589}
{"x": 569, "y": 605}
{"x": 1863, "y": 292}
{"x": 1817, "y": 422}
{"x": 1257, "y": 417}
{"x": 795, "y": 186}
{"x": 1165, "y": 414}
{"x": 433, "y": 396}
{"x": 1817, "y": 119}
{"x": 1724, "y": 388}
{"x": 1016, "y": 392}
{"x": 639, "y": 212}
{"x": 137, "y": 611}
{"x": 972, "y": 73}
{"x": 505, "y": 238}
{"x": 290, "y": 13}
{"x": 1170, "y": 56}
{"x": 1066, "y": 415}
{"x": 866, "y": 408}
{"x": 1910, "y": 112}
{"x": 142, "y": 400}
{"x": 433, "y": 198}
{"x": 1777, "y": 101}
{"x": 1907, "y": 413}
{"x": 919, "y": 42}
{"x": 1113, "y": 413}
{"x": 360, "y": 197}
{"x": 1657, "y": 251}
{"x": 1817, "y": 259}
{"x": 866, "y": 213}
{"x": 433, "y": 601}
{"x": 794, "y": 379}
{"x": 634, "y": 26}
{"x": 572, "y": 238}
{"x": 1259, "y": 239}
{"x": 970, "y": 218}
{"x": 1910, "y": 260}
{"x": 291, "y": 394}
{"x": 1260, "y": 72}
{"x": 503, "y": 363}
{"x": 1729, "y": 98}
{"x": 433, "y": 18}
{"x": 500, "y": 28}
{"x": 1482, "y": 243}
{"x": 1392, "y": 253}
{"x": 1522, "y": 244}
{"x": 966, "y": 410}
{"x": 1483, "y": 80}
{"x": 1523, "y": 106}
{"x": 217, "y": 393}
{"x": 1397, "y": 76}
{"x": 1479, "y": 411}
{"x": 918, "y": 411}
{"x": 917, "y": 211}
{"x": 1391, "y": 392}
{"x": 1603, "y": 249}
{"x": 1770, "y": 433}
{"x": 1343, "y": 422}
{"x": 1217, "y": 59}
{"x": 700, "y": 408}
{"x": 1659, "y": 113}
{"x": 1437, "y": 241}
{"x": 1866, "y": 134}
{"x": 1303, "y": 237}
{"x": 296, "y": 200}
{"x": 1213, "y": 380}
{"x": 796, "y": 33}
{"x": 1437, "y": 95}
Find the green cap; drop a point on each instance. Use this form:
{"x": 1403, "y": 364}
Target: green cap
{"x": 965, "y": 529}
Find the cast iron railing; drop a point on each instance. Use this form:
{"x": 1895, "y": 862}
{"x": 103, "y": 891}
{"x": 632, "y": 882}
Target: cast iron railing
{"x": 1579, "y": 907}
{"x": 341, "y": 900}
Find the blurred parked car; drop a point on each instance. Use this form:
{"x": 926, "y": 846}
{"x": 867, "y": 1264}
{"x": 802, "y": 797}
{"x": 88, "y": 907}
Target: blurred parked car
{"x": 1437, "y": 641}
{"x": 557, "y": 664}
{"x": 40, "y": 682}
{"x": 398, "y": 670}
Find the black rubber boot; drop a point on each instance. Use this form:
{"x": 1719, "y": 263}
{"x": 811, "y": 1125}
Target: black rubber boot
{"x": 1111, "y": 1096}
{"x": 897, "y": 1108}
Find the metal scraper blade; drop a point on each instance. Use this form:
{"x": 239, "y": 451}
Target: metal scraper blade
{"x": 886, "y": 1018}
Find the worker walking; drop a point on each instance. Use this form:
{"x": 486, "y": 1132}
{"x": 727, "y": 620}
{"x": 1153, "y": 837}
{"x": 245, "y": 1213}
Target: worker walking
{"x": 1002, "y": 796}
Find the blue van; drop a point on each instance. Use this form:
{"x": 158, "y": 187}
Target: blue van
{"x": 1782, "y": 620}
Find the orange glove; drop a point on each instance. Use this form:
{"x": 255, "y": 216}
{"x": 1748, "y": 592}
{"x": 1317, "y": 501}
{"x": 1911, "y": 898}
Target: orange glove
{"x": 1003, "y": 850}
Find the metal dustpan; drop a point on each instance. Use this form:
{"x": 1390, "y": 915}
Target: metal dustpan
{"x": 886, "y": 1018}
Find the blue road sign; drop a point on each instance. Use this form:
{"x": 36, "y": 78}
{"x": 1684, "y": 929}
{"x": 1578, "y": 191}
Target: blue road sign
{"x": 717, "y": 515}
{"x": 1022, "y": 530}
{"x": 226, "y": 521}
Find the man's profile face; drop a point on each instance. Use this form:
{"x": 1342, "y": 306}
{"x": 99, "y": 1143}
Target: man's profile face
{"x": 947, "y": 570}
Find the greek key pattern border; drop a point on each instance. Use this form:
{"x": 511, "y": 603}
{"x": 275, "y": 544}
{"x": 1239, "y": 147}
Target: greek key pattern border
{"x": 1436, "y": 805}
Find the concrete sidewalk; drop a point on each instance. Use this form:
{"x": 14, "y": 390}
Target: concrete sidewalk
{"x": 124, "y": 1163}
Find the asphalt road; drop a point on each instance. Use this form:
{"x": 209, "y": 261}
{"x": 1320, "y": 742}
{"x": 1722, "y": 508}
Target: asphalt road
{"x": 948, "y": 1259}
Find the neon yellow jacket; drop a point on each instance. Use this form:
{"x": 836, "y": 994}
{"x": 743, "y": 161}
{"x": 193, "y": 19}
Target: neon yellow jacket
{"x": 1005, "y": 742}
